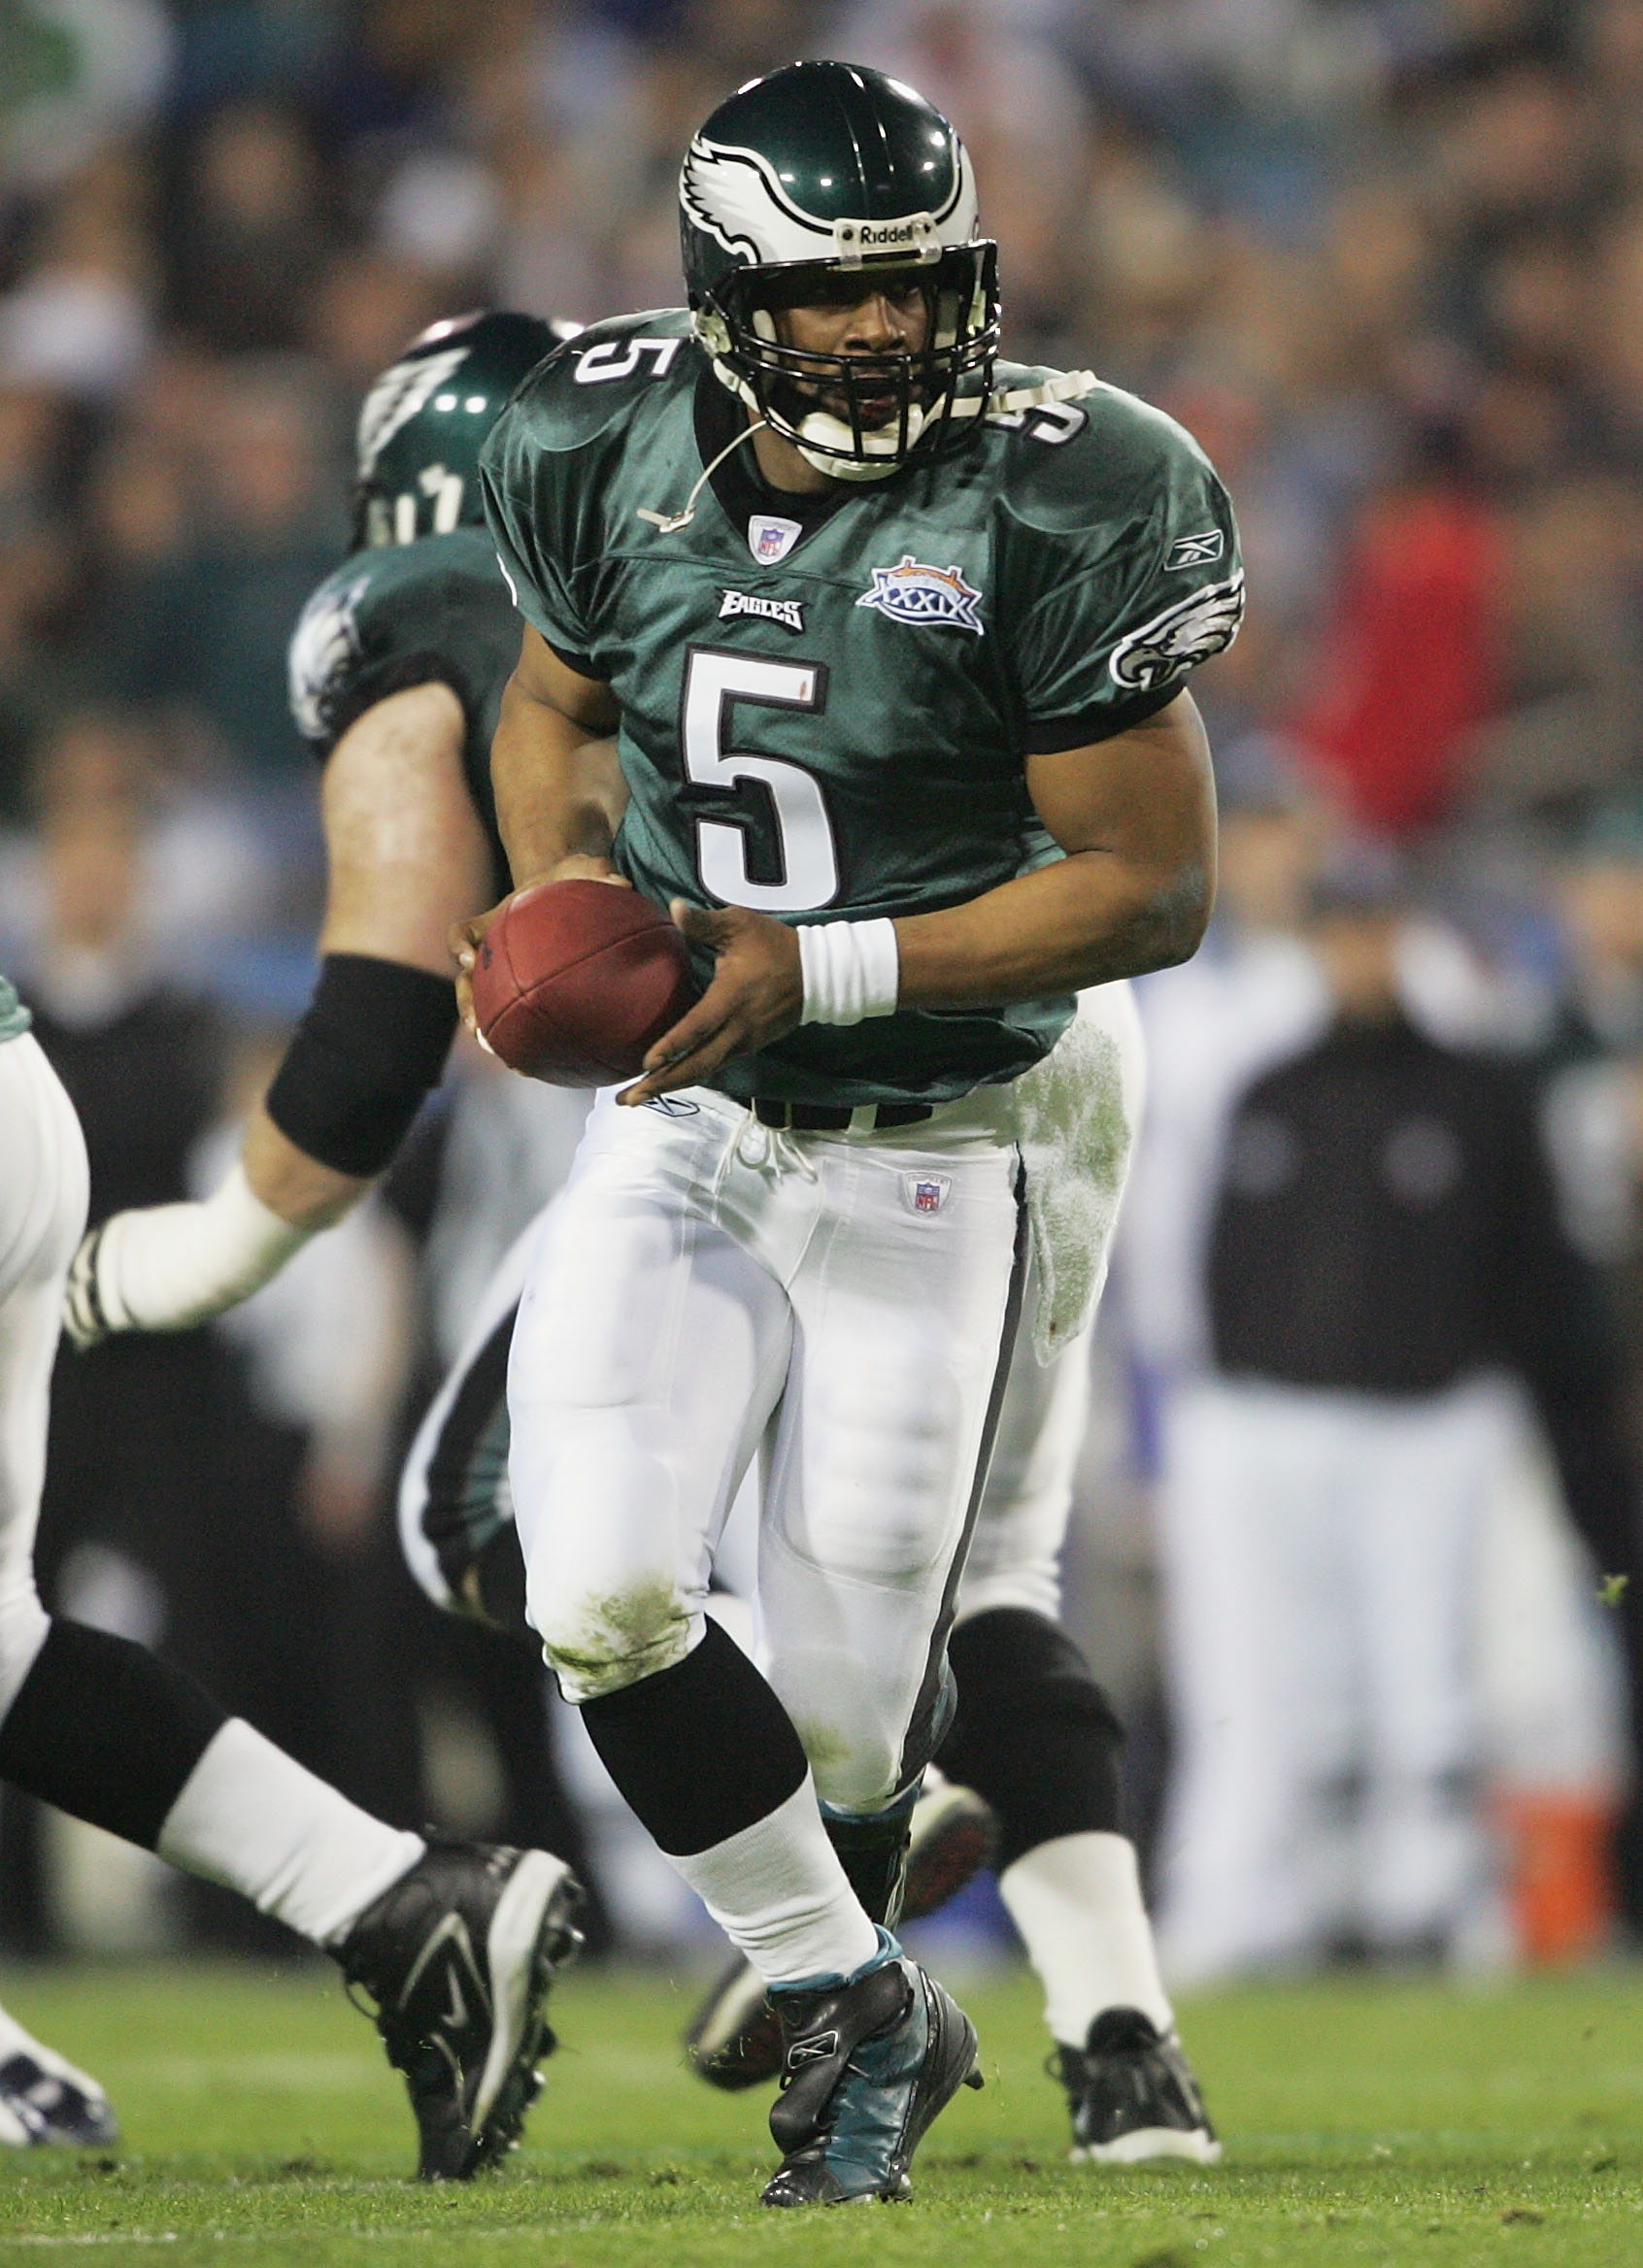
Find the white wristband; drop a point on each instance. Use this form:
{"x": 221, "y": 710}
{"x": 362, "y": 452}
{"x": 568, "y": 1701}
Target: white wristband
{"x": 851, "y": 970}
{"x": 167, "y": 1267}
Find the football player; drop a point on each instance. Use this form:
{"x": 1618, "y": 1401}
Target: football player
{"x": 456, "y": 1944}
{"x": 421, "y": 605}
{"x": 863, "y": 617}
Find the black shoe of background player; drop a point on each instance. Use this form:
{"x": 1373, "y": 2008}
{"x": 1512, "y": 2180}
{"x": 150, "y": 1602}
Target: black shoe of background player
{"x": 866, "y": 2066}
{"x": 45, "y": 2100}
{"x": 735, "y": 2040}
{"x": 459, "y": 1955}
{"x": 1132, "y": 2095}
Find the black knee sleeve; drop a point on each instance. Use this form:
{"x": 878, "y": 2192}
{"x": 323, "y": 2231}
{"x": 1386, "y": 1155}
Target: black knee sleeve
{"x": 107, "y": 1730}
{"x": 371, "y": 1043}
{"x": 1034, "y": 1734}
{"x": 700, "y": 1750}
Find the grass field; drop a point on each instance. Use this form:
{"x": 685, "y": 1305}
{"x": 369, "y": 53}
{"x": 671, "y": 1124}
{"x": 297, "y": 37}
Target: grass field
{"x": 1363, "y": 2124}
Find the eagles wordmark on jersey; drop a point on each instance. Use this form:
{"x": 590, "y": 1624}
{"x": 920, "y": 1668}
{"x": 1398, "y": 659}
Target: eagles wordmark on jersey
{"x": 828, "y": 709}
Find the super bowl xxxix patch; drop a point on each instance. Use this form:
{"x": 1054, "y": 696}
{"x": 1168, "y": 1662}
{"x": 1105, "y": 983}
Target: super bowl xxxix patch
{"x": 911, "y": 592}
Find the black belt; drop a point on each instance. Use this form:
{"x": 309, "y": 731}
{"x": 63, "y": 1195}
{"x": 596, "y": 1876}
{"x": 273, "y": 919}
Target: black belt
{"x": 834, "y": 1117}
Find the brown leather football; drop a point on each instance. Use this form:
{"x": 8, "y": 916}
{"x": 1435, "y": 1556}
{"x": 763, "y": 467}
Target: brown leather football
{"x": 575, "y": 980}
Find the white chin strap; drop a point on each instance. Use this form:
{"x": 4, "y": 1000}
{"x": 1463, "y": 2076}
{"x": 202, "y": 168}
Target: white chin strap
{"x": 821, "y": 432}
{"x": 882, "y": 446}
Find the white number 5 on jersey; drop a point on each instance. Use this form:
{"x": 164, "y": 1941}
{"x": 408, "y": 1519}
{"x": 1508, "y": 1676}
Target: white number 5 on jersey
{"x": 715, "y": 681}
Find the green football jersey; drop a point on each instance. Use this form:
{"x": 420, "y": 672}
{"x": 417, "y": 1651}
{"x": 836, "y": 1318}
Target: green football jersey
{"x": 403, "y": 615}
{"x": 15, "y": 1017}
{"x": 827, "y": 703}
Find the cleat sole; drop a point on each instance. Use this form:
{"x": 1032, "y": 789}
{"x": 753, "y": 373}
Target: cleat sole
{"x": 532, "y": 1936}
{"x": 1149, "y": 2142}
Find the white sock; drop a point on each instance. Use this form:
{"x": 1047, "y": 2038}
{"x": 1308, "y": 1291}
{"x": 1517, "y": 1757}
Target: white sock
{"x": 1077, "y": 1903}
{"x": 252, "y": 1817}
{"x": 778, "y": 1893}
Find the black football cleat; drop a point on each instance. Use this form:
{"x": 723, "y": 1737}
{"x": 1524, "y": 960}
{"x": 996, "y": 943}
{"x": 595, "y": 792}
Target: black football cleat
{"x": 1132, "y": 2095}
{"x": 45, "y": 2100}
{"x": 457, "y": 1956}
{"x": 735, "y": 2040}
{"x": 865, "y": 2068}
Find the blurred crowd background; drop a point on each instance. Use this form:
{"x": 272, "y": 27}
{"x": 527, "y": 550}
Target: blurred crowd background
{"x": 1385, "y": 258}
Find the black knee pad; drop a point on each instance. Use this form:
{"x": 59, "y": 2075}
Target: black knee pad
{"x": 702, "y": 1750}
{"x": 1034, "y": 1733}
{"x": 107, "y": 1730}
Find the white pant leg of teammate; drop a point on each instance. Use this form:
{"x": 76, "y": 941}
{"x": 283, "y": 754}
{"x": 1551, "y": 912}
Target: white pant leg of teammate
{"x": 41, "y": 1209}
{"x": 257, "y": 1843}
{"x": 114, "y": 1735}
{"x": 43, "y": 1194}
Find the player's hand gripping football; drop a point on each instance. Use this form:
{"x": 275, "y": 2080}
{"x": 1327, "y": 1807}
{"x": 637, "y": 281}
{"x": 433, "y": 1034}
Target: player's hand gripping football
{"x": 757, "y": 997}
{"x": 467, "y": 936}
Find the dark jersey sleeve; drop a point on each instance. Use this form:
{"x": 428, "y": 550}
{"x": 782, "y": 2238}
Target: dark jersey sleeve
{"x": 434, "y": 612}
{"x": 1129, "y": 574}
{"x": 528, "y": 513}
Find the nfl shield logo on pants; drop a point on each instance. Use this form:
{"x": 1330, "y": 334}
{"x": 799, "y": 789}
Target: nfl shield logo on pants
{"x": 926, "y": 1192}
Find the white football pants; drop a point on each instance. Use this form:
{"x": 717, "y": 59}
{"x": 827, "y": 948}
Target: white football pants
{"x": 1015, "y": 1553}
{"x": 709, "y": 1290}
{"x": 1319, "y": 1563}
{"x": 44, "y": 1189}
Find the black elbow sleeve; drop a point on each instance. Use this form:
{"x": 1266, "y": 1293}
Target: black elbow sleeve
{"x": 372, "y": 1042}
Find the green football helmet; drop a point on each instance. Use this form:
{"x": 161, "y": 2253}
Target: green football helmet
{"x": 424, "y": 419}
{"x": 812, "y": 186}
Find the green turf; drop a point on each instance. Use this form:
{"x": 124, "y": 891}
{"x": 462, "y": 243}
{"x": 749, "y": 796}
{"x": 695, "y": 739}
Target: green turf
{"x": 1363, "y": 2124}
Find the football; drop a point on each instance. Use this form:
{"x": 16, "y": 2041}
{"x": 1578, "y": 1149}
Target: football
{"x": 574, "y": 981}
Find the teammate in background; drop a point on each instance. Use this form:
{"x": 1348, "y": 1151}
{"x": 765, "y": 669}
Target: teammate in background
{"x": 421, "y": 607}
{"x": 456, "y": 1944}
{"x": 396, "y": 672}
{"x": 940, "y": 613}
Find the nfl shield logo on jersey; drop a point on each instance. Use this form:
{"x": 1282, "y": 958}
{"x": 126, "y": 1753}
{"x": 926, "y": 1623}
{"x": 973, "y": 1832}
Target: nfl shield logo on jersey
{"x": 911, "y": 592}
{"x": 926, "y": 1192}
{"x": 770, "y": 539}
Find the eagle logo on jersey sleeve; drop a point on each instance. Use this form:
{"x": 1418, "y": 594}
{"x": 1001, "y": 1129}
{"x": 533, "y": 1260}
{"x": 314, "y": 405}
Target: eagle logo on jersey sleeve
{"x": 1184, "y": 634}
{"x": 323, "y": 643}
